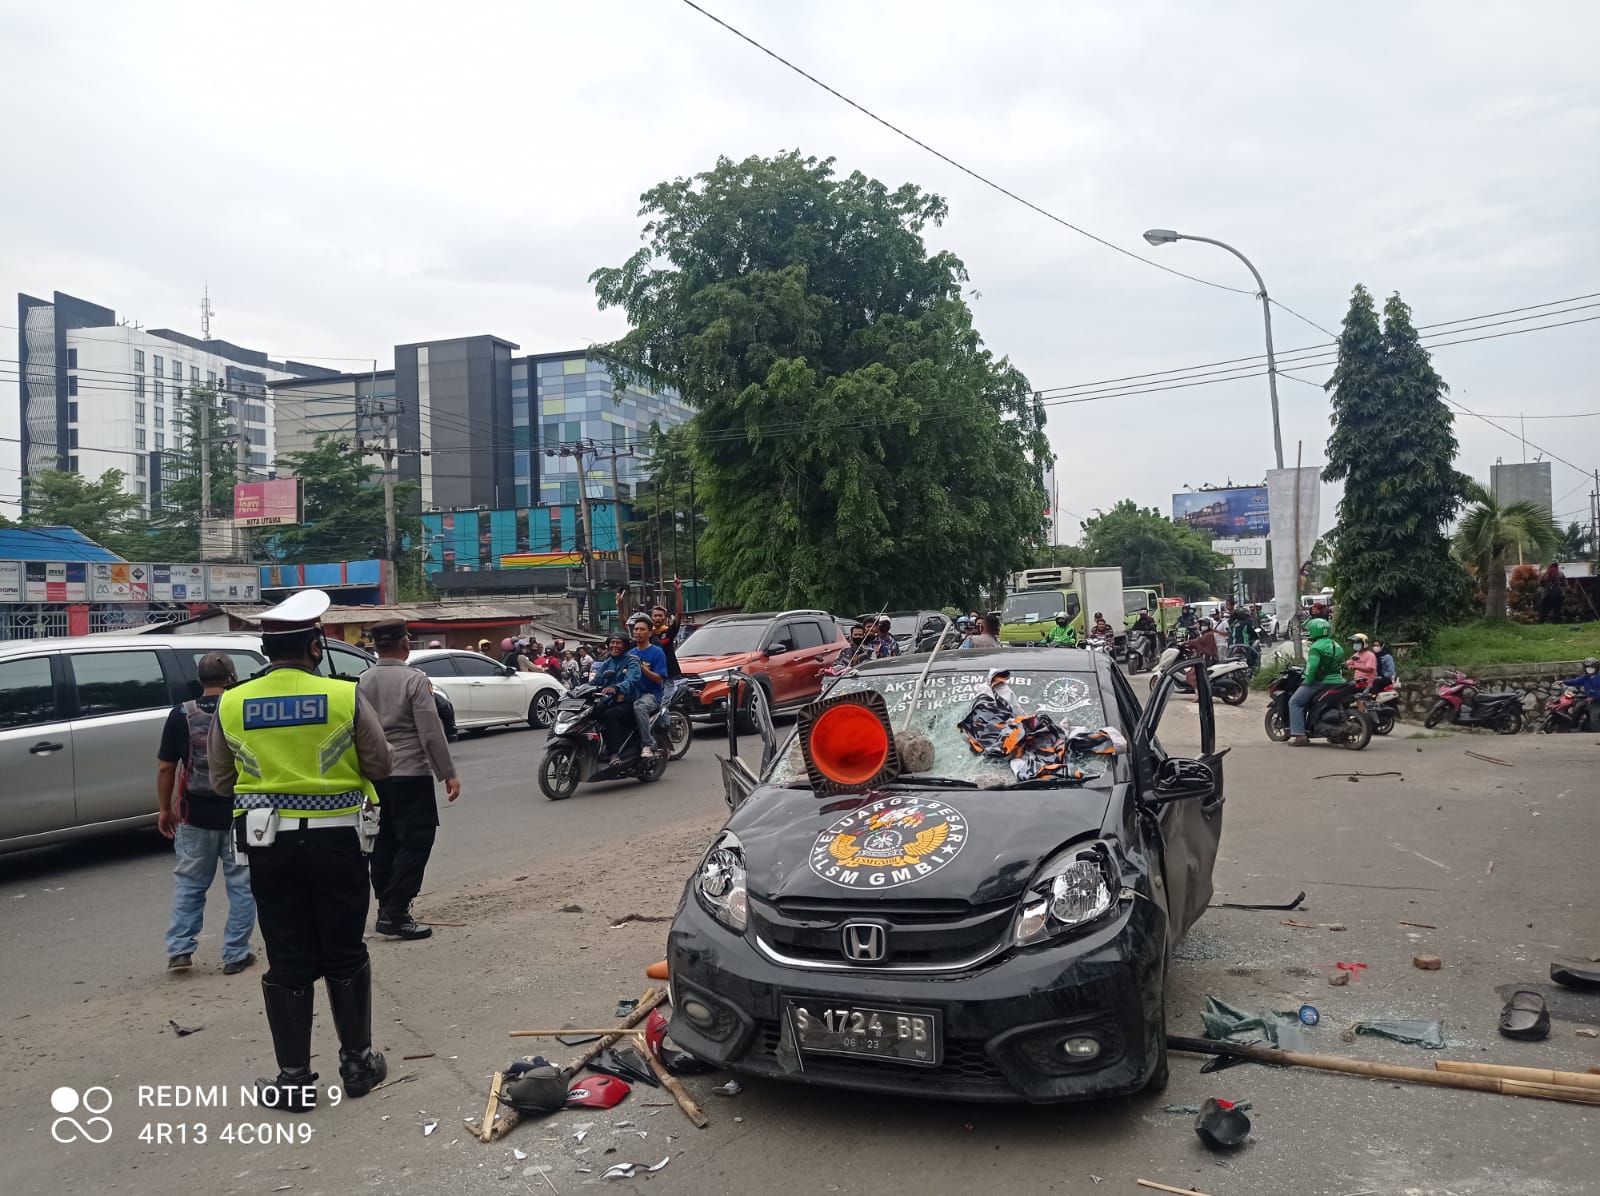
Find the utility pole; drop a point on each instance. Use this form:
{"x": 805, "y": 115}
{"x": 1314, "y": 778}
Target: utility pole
{"x": 205, "y": 460}
{"x": 389, "y": 452}
{"x": 616, "y": 512}
{"x": 591, "y": 599}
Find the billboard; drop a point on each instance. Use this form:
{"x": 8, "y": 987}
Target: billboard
{"x": 266, "y": 504}
{"x": 1223, "y": 514}
{"x": 177, "y": 583}
{"x": 1245, "y": 554}
{"x": 233, "y": 583}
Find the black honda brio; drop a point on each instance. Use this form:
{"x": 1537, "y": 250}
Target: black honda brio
{"x": 963, "y": 879}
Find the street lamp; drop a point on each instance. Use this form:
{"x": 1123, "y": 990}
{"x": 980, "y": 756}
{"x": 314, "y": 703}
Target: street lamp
{"x": 1166, "y": 236}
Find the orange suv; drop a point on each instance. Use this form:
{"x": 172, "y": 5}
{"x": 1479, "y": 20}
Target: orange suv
{"x": 784, "y": 653}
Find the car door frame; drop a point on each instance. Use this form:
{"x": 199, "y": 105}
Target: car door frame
{"x": 488, "y": 702}
{"x": 58, "y": 815}
{"x": 1190, "y": 825}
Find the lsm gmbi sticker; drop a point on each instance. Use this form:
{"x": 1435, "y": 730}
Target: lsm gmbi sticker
{"x": 892, "y": 842}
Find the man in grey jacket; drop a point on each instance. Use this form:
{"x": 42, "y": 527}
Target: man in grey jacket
{"x": 408, "y": 814}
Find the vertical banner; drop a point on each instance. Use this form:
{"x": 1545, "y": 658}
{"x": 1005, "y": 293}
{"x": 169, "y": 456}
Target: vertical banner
{"x": 1295, "y": 499}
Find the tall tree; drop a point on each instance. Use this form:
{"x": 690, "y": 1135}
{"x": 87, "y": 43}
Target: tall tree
{"x": 173, "y": 531}
{"x": 667, "y": 515}
{"x": 1575, "y": 544}
{"x": 344, "y": 517}
{"x": 98, "y": 509}
{"x": 1490, "y": 534}
{"x": 855, "y": 444}
{"x": 1394, "y": 447}
{"x": 1154, "y": 551}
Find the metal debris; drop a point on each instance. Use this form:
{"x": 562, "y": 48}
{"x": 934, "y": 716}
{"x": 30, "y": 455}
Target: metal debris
{"x": 731, "y": 1088}
{"x": 621, "y": 1171}
{"x": 661, "y": 1164}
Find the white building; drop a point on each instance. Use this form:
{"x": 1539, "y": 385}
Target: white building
{"x": 97, "y": 395}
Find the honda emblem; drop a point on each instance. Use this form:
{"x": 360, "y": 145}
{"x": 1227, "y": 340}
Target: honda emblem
{"x": 865, "y": 942}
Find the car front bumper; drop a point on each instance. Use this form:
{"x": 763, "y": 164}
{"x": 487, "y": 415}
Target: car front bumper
{"x": 1002, "y": 1022}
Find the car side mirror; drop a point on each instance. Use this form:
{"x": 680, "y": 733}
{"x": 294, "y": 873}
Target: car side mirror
{"x": 775, "y": 648}
{"x": 1182, "y": 780}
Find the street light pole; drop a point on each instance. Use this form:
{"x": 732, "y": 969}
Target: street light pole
{"x": 1165, "y": 236}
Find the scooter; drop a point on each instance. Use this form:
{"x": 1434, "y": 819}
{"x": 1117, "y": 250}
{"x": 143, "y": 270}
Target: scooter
{"x": 1334, "y": 715}
{"x": 1230, "y": 679}
{"x": 1461, "y": 704}
{"x": 1569, "y": 712}
{"x": 1378, "y": 701}
{"x": 1141, "y": 655}
{"x": 575, "y": 751}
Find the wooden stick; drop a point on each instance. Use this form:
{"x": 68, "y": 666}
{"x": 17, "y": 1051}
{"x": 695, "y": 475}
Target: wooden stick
{"x": 670, "y": 1083}
{"x": 647, "y": 1002}
{"x": 564, "y": 1030}
{"x": 487, "y": 1127}
{"x": 1535, "y": 1075}
{"x": 1383, "y": 1071}
{"x": 1150, "y": 1183}
{"x": 1421, "y": 925}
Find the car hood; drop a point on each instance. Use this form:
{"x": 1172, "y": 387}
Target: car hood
{"x": 947, "y": 844}
{"x": 705, "y": 664}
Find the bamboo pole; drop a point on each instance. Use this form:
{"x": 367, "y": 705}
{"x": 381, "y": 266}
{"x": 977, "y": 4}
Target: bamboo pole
{"x": 670, "y": 1083}
{"x": 1384, "y": 1071}
{"x": 486, "y": 1126}
{"x": 1150, "y": 1183}
{"x": 1534, "y": 1075}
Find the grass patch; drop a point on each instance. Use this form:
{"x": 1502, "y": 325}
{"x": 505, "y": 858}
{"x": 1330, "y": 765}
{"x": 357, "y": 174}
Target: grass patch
{"x": 1473, "y": 645}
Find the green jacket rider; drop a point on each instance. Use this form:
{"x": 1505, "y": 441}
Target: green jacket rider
{"x": 1063, "y": 634}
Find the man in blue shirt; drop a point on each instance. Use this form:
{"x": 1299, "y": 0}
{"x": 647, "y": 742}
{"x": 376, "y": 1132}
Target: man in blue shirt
{"x": 1588, "y": 682}
{"x": 652, "y": 673}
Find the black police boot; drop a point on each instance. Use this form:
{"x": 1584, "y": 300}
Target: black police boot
{"x": 289, "y": 1019}
{"x": 402, "y": 926}
{"x": 360, "y": 1067}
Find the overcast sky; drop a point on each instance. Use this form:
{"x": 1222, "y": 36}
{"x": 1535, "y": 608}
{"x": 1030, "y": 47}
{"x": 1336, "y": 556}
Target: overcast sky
{"x": 353, "y": 176}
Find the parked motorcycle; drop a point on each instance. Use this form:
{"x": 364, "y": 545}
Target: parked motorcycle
{"x": 1335, "y": 715}
{"x": 574, "y": 754}
{"x": 1461, "y": 704}
{"x": 1230, "y": 679}
{"x": 1569, "y": 712}
{"x": 1378, "y": 702}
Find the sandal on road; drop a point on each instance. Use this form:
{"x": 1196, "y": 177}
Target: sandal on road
{"x": 1525, "y": 1017}
{"x": 1584, "y": 977}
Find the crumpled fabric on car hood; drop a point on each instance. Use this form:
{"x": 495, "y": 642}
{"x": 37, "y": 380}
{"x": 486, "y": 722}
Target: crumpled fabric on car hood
{"x": 1035, "y": 745}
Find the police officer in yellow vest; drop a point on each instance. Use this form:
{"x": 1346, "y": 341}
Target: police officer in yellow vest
{"x": 299, "y": 753}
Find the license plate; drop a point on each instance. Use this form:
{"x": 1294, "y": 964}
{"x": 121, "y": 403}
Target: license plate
{"x": 895, "y": 1035}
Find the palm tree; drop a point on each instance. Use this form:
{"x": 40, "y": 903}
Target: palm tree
{"x": 1574, "y": 544}
{"x": 1491, "y": 531}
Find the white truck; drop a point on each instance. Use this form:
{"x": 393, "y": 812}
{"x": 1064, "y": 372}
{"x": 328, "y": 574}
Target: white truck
{"x": 1037, "y": 596}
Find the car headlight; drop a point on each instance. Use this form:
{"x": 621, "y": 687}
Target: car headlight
{"x": 1072, "y": 890}
{"x": 721, "y": 882}
{"x": 714, "y": 675}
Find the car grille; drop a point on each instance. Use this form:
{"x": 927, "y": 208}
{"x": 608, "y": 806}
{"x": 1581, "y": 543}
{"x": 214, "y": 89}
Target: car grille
{"x": 965, "y": 1067}
{"x": 919, "y": 933}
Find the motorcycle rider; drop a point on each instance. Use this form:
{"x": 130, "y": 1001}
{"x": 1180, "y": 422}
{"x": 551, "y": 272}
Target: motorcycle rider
{"x": 883, "y": 642}
{"x": 1063, "y": 634}
{"x": 1363, "y": 660}
{"x": 618, "y": 676}
{"x": 1588, "y": 683}
{"x": 1188, "y": 620}
{"x": 1102, "y": 628}
{"x": 652, "y": 678}
{"x": 1323, "y": 660}
{"x": 1242, "y": 633}
{"x": 857, "y": 653}
{"x": 1386, "y": 669}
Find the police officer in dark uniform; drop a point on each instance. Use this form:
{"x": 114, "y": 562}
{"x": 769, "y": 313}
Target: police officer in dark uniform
{"x": 299, "y": 753}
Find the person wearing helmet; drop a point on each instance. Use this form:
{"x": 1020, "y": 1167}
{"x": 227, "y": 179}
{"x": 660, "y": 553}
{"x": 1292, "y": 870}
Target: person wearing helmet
{"x": 1324, "y": 659}
{"x": 484, "y": 647}
{"x": 618, "y": 677}
{"x": 1188, "y": 619}
{"x": 512, "y": 656}
{"x": 1588, "y": 684}
{"x": 1363, "y": 660}
{"x": 435, "y": 644}
{"x": 1063, "y": 634}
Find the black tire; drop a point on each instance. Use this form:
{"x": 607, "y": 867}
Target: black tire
{"x": 1382, "y": 720}
{"x": 651, "y": 770}
{"x": 1232, "y": 691}
{"x": 1154, "y": 680}
{"x": 680, "y": 733}
{"x": 1357, "y": 731}
{"x": 1276, "y": 726}
{"x": 542, "y": 710}
{"x": 1436, "y": 715}
{"x": 747, "y": 719}
{"x": 558, "y": 773}
{"x": 1511, "y": 723}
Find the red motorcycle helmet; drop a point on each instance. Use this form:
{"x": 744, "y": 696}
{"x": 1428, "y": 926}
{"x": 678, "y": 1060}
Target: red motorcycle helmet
{"x": 596, "y": 1092}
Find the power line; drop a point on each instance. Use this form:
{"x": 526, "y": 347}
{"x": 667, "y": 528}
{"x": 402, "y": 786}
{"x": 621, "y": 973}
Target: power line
{"x": 1303, "y": 319}
{"x": 966, "y": 170}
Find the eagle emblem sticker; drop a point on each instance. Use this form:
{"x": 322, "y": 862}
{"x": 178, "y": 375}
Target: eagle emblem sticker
{"x": 892, "y": 842}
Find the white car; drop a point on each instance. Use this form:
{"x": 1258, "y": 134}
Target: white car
{"x": 485, "y": 692}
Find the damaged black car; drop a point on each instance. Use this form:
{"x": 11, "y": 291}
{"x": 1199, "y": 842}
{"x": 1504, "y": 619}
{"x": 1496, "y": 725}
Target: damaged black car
{"x": 959, "y": 878}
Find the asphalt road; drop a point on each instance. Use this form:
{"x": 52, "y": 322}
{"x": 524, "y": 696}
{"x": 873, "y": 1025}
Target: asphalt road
{"x": 1496, "y": 858}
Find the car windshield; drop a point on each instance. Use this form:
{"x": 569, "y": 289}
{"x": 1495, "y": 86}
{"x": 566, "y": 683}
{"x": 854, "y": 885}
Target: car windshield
{"x": 1072, "y": 700}
{"x": 1031, "y": 608}
{"x": 723, "y": 639}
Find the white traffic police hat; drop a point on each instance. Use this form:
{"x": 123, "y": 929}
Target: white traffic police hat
{"x": 299, "y": 612}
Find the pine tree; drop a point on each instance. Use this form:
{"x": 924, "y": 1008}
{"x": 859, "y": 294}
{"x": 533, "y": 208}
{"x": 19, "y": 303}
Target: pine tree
{"x": 1394, "y": 447}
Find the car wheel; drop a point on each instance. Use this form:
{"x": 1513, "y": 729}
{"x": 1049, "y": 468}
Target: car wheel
{"x": 1277, "y": 729}
{"x": 1436, "y": 715}
{"x": 680, "y": 733}
{"x": 542, "y": 710}
{"x": 1511, "y": 724}
{"x": 1356, "y": 732}
{"x": 558, "y": 773}
{"x": 747, "y": 718}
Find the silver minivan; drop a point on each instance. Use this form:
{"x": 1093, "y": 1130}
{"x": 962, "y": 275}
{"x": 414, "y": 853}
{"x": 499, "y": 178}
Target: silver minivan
{"x": 81, "y": 719}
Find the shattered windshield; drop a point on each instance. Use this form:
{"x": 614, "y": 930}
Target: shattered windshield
{"x": 1071, "y": 700}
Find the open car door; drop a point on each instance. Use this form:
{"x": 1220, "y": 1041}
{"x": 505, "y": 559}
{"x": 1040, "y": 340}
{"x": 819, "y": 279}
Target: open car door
{"x": 741, "y": 774}
{"x": 1185, "y": 796}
